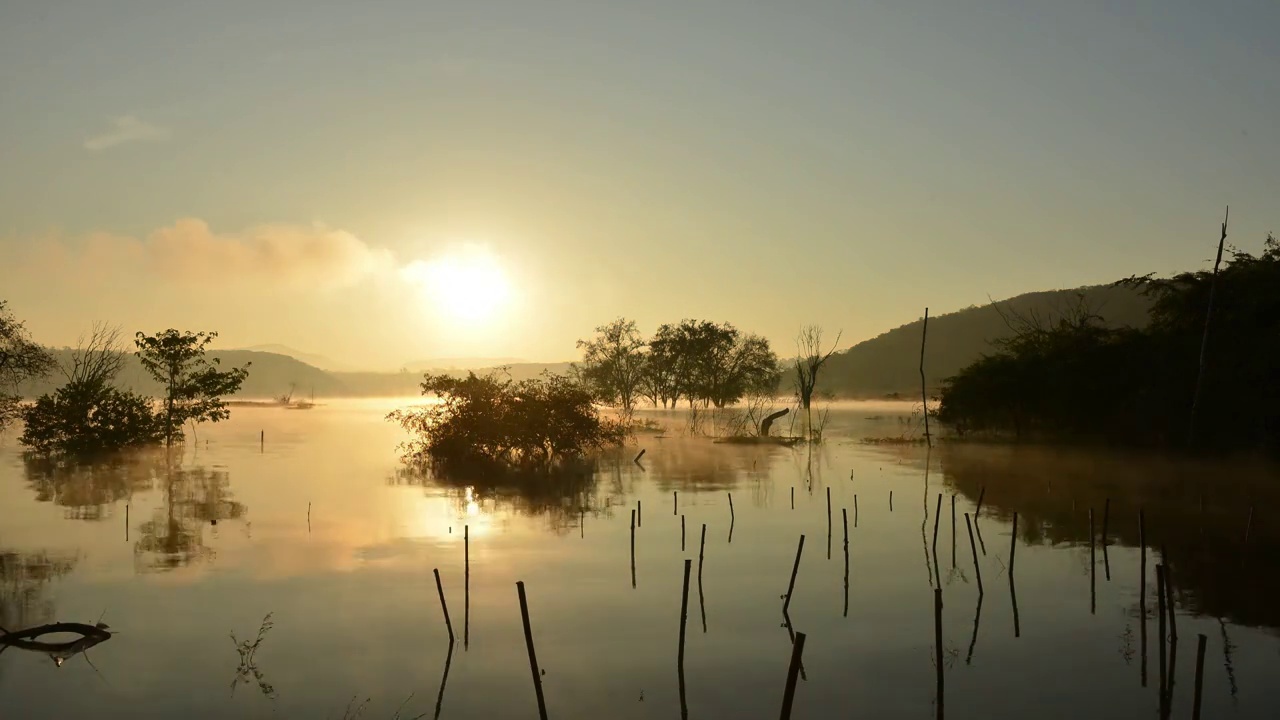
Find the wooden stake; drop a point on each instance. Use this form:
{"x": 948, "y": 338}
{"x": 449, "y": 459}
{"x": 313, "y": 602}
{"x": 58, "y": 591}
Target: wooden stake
{"x": 1208, "y": 317}
{"x": 1160, "y": 610}
{"x": 937, "y": 513}
{"x": 681, "y": 533}
{"x": 890, "y": 501}
{"x": 844, "y": 514}
{"x": 1106, "y": 521}
{"x": 981, "y": 494}
{"x": 639, "y": 514}
{"x": 702, "y": 546}
{"x": 675, "y": 502}
{"x": 684, "y": 611}
{"x": 793, "y": 497}
{"x": 533, "y": 656}
{"x": 1093, "y": 597}
{"x": 443, "y": 606}
{"x": 466, "y": 586}
{"x": 633, "y": 549}
{"x": 788, "y": 694}
{"x": 937, "y": 641}
{"x": 953, "y": 531}
{"x": 1195, "y": 707}
{"x": 1013, "y": 543}
{"x": 855, "y": 510}
{"x": 924, "y": 393}
{"x": 637, "y": 460}
{"x": 795, "y": 568}
{"x": 977, "y": 569}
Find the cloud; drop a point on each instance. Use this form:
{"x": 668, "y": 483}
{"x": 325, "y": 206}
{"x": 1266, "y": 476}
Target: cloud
{"x": 123, "y": 130}
{"x": 189, "y": 252}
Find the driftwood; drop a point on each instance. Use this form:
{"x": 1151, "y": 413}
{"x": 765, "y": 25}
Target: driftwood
{"x": 91, "y": 635}
{"x": 767, "y": 423}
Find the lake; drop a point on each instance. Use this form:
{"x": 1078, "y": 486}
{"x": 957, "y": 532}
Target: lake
{"x": 308, "y": 516}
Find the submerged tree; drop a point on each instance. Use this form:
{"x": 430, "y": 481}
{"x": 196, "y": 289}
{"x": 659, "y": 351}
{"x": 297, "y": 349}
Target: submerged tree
{"x": 20, "y": 360}
{"x": 708, "y": 363}
{"x": 89, "y": 414}
{"x": 613, "y": 364}
{"x": 489, "y": 421}
{"x": 808, "y": 363}
{"x": 194, "y": 384}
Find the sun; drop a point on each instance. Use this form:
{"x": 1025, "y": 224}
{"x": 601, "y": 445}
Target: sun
{"x": 466, "y": 285}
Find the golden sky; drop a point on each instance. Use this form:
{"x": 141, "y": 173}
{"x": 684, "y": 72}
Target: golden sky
{"x": 390, "y": 181}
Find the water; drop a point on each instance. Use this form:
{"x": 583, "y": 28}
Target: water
{"x": 356, "y": 614}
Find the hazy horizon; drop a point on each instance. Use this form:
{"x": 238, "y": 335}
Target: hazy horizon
{"x": 394, "y": 180}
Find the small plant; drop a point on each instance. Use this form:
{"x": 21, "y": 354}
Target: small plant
{"x": 248, "y": 667}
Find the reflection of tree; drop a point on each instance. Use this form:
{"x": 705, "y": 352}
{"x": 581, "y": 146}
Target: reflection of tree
{"x": 563, "y": 496}
{"x": 24, "y": 580}
{"x": 174, "y": 536}
{"x": 1053, "y": 489}
{"x": 87, "y": 488}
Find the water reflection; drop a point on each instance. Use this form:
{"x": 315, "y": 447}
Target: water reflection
{"x": 174, "y": 536}
{"x": 1195, "y": 511}
{"x": 87, "y": 489}
{"x": 25, "y": 579}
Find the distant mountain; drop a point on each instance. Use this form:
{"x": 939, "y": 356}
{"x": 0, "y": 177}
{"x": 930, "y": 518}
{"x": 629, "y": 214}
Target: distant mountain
{"x": 320, "y": 361}
{"x": 270, "y": 375}
{"x": 890, "y": 363}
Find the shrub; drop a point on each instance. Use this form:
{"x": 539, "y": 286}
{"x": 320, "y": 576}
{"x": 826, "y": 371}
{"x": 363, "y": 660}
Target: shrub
{"x": 85, "y": 417}
{"x": 488, "y": 420}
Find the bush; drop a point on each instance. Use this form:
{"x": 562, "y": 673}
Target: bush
{"x": 533, "y": 424}
{"x": 85, "y": 417}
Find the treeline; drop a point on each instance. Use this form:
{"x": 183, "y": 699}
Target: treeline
{"x": 700, "y": 362}
{"x": 1071, "y": 377}
{"x": 89, "y": 413}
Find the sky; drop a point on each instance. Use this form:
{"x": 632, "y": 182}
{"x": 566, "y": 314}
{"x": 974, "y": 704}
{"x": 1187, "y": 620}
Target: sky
{"x": 391, "y": 180}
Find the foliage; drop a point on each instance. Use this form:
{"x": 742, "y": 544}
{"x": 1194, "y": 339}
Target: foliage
{"x": 87, "y": 417}
{"x": 1073, "y": 377}
{"x": 20, "y": 360}
{"x": 700, "y": 361}
{"x": 613, "y": 364}
{"x": 193, "y": 384}
{"x": 491, "y": 421}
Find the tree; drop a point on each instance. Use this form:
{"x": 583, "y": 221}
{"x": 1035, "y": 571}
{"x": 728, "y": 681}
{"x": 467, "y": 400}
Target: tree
{"x": 613, "y": 364}
{"x": 194, "y": 385}
{"x": 89, "y": 415}
{"x": 808, "y": 363}
{"x": 661, "y": 382}
{"x": 488, "y": 421}
{"x": 20, "y": 360}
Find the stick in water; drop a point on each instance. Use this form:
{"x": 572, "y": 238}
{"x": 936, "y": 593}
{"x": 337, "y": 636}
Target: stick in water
{"x": 533, "y": 656}
{"x": 789, "y": 694}
{"x": 440, "y": 588}
{"x": 937, "y": 641}
{"x": 1195, "y": 708}
{"x": 795, "y": 568}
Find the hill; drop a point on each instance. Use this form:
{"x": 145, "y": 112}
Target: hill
{"x": 889, "y": 363}
{"x": 313, "y": 359}
{"x": 270, "y": 375}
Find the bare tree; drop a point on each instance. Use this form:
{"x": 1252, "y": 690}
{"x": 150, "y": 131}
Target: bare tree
{"x": 97, "y": 358}
{"x": 809, "y": 361}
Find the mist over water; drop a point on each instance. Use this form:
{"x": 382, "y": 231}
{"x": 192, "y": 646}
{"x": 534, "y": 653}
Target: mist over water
{"x": 310, "y": 517}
